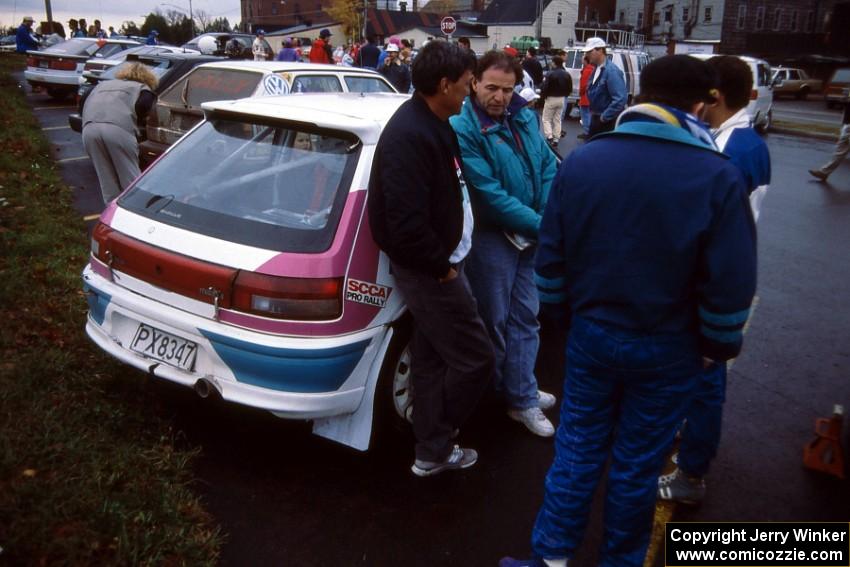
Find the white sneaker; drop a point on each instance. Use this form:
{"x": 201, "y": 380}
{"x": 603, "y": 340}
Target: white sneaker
{"x": 545, "y": 400}
{"x": 534, "y": 420}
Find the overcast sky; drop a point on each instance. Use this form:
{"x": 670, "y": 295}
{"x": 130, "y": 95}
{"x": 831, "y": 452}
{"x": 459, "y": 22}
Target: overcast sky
{"x": 109, "y": 12}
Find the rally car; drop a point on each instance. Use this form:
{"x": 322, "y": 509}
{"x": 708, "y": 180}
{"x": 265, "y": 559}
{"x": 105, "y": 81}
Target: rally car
{"x": 242, "y": 264}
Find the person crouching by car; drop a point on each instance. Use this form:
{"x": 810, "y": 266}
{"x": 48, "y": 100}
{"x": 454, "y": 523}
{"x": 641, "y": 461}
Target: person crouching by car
{"x": 395, "y": 71}
{"x": 112, "y": 115}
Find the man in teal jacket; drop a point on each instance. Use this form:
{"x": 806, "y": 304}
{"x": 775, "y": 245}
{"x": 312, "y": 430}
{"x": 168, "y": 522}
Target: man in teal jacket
{"x": 511, "y": 168}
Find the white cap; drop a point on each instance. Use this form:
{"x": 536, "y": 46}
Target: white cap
{"x": 392, "y": 48}
{"x": 594, "y": 43}
{"x": 528, "y": 94}
{"x": 28, "y": 19}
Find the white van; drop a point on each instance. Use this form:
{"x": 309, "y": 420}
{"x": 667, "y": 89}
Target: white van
{"x": 760, "y": 108}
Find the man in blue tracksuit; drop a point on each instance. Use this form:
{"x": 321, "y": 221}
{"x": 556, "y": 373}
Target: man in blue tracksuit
{"x": 511, "y": 168}
{"x": 606, "y": 89}
{"x": 730, "y": 126}
{"x": 648, "y": 242}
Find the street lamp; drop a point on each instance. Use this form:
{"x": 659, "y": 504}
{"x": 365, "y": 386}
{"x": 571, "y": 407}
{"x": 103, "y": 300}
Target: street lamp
{"x": 191, "y": 19}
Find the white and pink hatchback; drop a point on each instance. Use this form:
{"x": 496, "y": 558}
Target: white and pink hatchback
{"x": 242, "y": 263}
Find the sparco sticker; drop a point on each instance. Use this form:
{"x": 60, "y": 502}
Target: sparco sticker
{"x": 367, "y": 292}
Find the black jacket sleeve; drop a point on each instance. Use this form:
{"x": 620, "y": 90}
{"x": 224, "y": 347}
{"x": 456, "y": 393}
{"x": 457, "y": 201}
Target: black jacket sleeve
{"x": 402, "y": 172}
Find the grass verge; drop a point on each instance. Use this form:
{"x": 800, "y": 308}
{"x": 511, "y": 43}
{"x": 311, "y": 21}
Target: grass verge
{"x": 91, "y": 471}
{"x": 807, "y": 128}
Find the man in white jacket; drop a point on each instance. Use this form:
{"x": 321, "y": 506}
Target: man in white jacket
{"x": 261, "y": 48}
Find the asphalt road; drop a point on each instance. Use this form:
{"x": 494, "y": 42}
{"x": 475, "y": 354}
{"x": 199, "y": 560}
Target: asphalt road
{"x": 286, "y": 497}
{"x": 812, "y": 110}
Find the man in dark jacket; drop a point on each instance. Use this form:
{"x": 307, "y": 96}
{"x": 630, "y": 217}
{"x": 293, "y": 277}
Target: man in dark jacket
{"x": 396, "y": 71}
{"x": 420, "y": 215}
{"x": 533, "y": 67}
{"x": 367, "y": 57}
{"x": 556, "y": 87}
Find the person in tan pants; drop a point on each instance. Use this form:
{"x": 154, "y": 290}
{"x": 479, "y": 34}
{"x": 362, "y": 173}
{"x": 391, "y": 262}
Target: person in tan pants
{"x": 556, "y": 86}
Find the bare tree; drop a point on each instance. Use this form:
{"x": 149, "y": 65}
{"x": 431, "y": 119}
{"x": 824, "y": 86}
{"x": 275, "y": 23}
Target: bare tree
{"x": 203, "y": 21}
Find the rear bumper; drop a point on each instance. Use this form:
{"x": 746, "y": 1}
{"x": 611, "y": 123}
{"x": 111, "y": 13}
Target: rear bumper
{"x": 66, "y": 80}
{"x": 297, "y": 378}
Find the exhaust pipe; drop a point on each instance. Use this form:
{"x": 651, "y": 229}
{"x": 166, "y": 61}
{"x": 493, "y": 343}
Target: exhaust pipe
{"x": 203, "y": 388}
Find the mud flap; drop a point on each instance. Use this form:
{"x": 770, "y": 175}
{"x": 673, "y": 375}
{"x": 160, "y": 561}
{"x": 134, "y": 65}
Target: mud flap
{"x": 355, "y": 429}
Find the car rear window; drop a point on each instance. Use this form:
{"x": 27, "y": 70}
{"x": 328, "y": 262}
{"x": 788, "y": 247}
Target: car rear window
{"x": 274, "y": 186}
{"x": 841, "y": 76}
{"x": 205, "y": 85}
{"x": 77, "y": 46}
{"x": 357, "y": 84}
{"x": 316, "y": 84}
{"x": 159, "y": 67}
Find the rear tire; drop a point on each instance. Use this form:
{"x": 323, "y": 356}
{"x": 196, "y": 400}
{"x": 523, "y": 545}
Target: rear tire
{"x": 765, "y": 126}
{"x": 394, "y": 393}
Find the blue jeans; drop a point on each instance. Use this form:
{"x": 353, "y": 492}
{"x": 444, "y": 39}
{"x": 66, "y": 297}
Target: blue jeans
{"x": 625, "y": 394}
{"x": 585, "y": 118}
{"x": 701, "y": 436}
{"x": 502, "y": 280}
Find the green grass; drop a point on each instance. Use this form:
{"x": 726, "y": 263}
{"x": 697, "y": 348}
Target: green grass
{"x": 91, "y": 470}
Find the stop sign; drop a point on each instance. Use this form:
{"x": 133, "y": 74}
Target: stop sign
{"x": 448, "y": 25}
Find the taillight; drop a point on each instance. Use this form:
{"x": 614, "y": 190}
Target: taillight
{"x": 98, "y": 241}
{"x": 288, "y": 298}
{"x": 754, "y": 94}
{"x": 32, "y": 62}
{"x": 63, "y": 65}
{"x": 94, "y": 67}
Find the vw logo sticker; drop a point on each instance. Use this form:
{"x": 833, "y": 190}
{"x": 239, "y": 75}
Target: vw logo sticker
{"x": 275, "y": 85}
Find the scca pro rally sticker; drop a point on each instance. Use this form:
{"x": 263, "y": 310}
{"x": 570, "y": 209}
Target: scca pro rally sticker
{"x": 367, "y": 292}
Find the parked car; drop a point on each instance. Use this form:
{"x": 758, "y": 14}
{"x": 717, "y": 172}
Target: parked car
{"x": 630, "y": 61}
{"x": 794, "y": 82}
{"x": 838, "y": 88}
{"x": 178, "y": 108}
{"x": 241, "y": 264}
{"x": 523, "y": 42}
{"x": 168, "y": 67}
{"x": 57, "y": 69}
{"x": 97, "y": 65}
{"x": 221, "y": 38}
{"x": 760, "y": 107}
{"x": 8, "y": 43}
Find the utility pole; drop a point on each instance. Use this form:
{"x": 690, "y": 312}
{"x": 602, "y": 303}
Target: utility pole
{"x": 365, "y": 17}
{"x": 49, "y": 14}
{"x": 191, "y": 19}
{"x": 539, "y": 19}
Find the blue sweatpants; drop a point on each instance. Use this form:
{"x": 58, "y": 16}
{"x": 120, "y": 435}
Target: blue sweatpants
{"x": 701, "y": 436}
{"x": 625, "y": 394}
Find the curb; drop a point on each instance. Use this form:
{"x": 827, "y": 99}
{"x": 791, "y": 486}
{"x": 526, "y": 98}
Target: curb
{"x": 804, "y": 134}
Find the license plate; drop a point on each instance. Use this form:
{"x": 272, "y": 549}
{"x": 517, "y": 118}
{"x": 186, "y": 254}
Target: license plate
{"x": 164, "y": 347}
{"x": 43, "y": 64}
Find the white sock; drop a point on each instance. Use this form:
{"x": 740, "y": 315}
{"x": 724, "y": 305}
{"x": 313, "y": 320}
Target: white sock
{"x": 556, "y": 562}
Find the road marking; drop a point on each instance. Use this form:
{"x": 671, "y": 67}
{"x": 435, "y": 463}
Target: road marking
{"x": 664, "y": 509}
{"x": 49, "y": 128}
{"x": 88, "y": 218}
{"x": 66, "y": 160}
{"x": 52, "y": 107}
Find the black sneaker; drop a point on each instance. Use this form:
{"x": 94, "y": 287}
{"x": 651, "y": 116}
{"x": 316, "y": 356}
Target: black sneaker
{"x": 682, "y": 488}
{"x": 457, "y": 459}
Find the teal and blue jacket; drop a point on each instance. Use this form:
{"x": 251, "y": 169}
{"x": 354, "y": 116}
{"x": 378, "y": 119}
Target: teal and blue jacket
{"x": 508, "y": 164}
{"x": 649, "y": 228}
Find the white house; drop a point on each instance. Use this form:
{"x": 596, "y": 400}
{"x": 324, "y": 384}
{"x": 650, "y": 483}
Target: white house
{"x": 507, "y": 19}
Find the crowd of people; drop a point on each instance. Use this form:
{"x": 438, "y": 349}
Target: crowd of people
{"x": 27, "y": 38}
{"x": 652, "y": 275}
